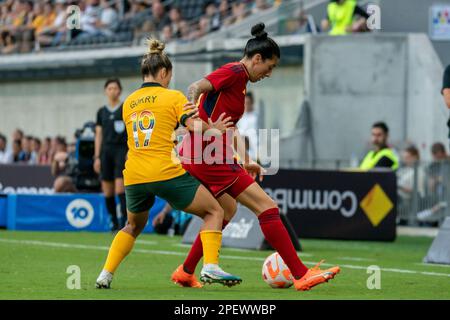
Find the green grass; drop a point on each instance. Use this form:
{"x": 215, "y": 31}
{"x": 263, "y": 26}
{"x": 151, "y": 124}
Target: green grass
{"x": 38, "y": 270}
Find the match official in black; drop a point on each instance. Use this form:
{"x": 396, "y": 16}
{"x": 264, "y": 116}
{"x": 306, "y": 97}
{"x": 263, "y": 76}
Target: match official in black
{"x": 111, "y": 151}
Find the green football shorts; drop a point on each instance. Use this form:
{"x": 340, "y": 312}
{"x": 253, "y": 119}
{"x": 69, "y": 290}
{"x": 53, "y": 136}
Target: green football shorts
{"x": 179, "y": 192}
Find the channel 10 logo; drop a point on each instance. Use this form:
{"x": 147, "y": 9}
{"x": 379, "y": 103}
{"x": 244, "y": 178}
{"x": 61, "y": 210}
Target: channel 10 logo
{"x": 79, "y": 213}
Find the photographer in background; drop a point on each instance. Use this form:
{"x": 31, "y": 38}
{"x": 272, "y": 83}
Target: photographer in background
{"x": 62, "y": 168}
{"x": 171, "y": 222}
{"x": 111, "y": 150}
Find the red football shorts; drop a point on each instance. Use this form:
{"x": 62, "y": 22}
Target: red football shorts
{"x": 221, "y": 178}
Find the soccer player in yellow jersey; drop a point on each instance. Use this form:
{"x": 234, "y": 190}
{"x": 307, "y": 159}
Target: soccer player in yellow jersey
{"x": 151, "y": 114}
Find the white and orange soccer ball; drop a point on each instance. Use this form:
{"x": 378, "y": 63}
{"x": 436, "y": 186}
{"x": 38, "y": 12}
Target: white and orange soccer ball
{"x": 276, "y": 273}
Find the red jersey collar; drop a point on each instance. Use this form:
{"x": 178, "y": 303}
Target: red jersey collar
{"x": 245, "y": 68}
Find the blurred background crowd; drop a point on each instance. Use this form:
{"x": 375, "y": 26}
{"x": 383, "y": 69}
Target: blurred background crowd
{"x": 34, "y": 25}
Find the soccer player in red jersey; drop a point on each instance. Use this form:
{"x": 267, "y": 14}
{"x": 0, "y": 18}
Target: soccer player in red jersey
{"x": 223, "y": 91}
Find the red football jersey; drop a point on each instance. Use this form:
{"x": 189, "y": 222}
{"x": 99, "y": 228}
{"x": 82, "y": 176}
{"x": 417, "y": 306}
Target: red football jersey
{"x": 228, "y": 96}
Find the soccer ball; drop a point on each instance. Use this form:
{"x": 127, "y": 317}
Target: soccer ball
{"x": 276, "y": 273}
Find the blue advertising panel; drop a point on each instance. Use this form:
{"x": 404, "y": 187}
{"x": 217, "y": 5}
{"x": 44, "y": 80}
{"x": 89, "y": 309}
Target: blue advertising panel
{"x": 3, "y": 212}
{"x": 61, "y": 212}
{"x": 58, "y": 212}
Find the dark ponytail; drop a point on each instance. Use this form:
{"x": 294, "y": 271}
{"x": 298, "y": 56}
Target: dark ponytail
{"x": 261, "y": 43}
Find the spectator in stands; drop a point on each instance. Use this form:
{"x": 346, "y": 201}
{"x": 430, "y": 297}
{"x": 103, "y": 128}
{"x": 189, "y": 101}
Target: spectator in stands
{"x": 25, "y": 154}
{"x": 202, "y": 28}
{"x": 108, "y": 20}
{"x": 5, "y": 16}
{"x": 16, "y": 150}
{"x": 212, "y": 13}
{"x": 238, "y": 13}
{"x": 341, "y": 19}
{"x": 305, "y": 24}
{"x": 159, "y": 16}
{"x": 185, "y": 30}
{"x": 166, "y": 33}
{"x": 406, "y": 174}
{"x": 21, "y": 15}
{"x": 259, "y": 5}
{"x": 35, "y": 149}
{"x": 54, "y": 34}
{"x": 5, "y": 154}
{"x": 137, "y": 10}
{"x": 17, "y": 134}
{"x": 8, "y": 43}
{"x": 61, "y": 169}
{"x": 58, "y": 144}
{"x": 224, "y": 11}
{"x": 175, "y": 21}
{"x": 381, "y": 156}
{"x": 90, "y": 20}
{"x": 446, "y": 92}
{"x": 25, "y": 33}
{"x": 248, "y": 125}
{"x": 147, "y": 30}
{"x": 44, "y": 152}
{"x": 438, "y": 173}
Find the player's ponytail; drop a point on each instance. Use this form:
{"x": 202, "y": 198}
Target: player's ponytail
{"x": 261, "y": 43}
{"x": 155, "y": 59}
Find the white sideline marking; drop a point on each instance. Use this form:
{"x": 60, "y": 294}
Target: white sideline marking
{"x": 433, "y": 265}
{"x": 354, "y": 259}
{"x": 185, "y": 245}
{"x": 175, "y": 253}
{"x": 149, "y": 242}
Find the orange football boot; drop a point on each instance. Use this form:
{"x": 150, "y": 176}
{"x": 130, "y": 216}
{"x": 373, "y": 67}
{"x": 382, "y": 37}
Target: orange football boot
{"x": 184, "y": 279}
{"x": 315, "y": 276}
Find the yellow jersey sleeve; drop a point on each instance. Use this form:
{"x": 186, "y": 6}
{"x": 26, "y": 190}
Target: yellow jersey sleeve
{"x": 180, "y": 101}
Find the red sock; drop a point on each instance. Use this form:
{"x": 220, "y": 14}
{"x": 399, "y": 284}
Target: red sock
{"x": 276, "y": 234}
{"x": 196, "y": 253}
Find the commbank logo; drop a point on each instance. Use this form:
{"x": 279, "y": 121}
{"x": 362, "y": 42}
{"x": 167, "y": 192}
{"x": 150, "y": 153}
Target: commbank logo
{"x": 376, "y": 205}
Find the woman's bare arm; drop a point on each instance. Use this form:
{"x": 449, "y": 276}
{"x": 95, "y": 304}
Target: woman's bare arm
{"x": 197, "y": 88}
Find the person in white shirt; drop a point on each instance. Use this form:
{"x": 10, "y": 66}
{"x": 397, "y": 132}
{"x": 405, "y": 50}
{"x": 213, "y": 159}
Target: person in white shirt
{"x": 5, "y": 154}
{"x": 406, "y": 174}
{"x": 248, "y": 126}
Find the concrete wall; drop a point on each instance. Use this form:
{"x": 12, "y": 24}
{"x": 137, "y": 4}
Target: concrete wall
{"x": 50, "y": 108}
{"x": 400, "y": 16}
{"x": 351, "y": 82}
{"x": 412, "y": 16}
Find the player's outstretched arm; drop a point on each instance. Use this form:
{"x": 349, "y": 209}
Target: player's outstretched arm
{"x": 197, "y": 88}
{"x": 200, "y": 126}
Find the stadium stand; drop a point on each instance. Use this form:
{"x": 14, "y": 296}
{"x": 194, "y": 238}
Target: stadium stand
{"x": 27, "y": 26}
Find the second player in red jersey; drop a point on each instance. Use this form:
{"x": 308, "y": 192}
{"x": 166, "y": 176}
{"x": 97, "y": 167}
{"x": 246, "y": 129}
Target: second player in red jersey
{"x": 221, "y": 95}
{"x": 229, "y": 84}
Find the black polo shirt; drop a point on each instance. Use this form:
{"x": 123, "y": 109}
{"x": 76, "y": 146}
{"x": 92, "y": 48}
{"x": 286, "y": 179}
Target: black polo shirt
{"x": 446, "y": 85}
{"x": 113, "y": 127}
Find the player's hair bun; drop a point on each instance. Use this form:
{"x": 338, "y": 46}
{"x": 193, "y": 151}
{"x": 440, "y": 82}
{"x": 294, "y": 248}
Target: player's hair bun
{"x": 155, "y": 46}
{"x": 258, "y": 31}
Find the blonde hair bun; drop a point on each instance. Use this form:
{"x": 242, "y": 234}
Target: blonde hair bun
{"x": 155, "y": 46}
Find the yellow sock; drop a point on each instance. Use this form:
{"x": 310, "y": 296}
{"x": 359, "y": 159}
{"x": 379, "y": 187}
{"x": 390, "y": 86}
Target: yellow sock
{"x": 120, "y": 248}
{"x": 211, "y": 241}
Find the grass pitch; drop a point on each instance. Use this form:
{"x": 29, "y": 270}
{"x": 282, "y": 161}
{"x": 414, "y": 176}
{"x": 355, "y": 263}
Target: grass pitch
{"x": 33, "y": 265}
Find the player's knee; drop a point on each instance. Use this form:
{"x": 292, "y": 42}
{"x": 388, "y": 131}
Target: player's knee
{"x": 134, "y": 228}
{"x": 217, "y": 212}
{"x": 230, "y": 211}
